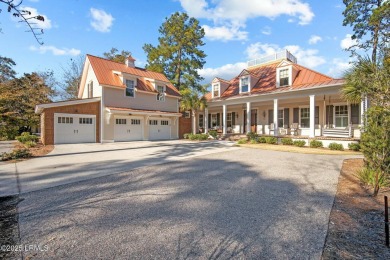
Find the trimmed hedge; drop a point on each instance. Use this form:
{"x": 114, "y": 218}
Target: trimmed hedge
{"x": 252, "y": 135}
{"x": 271, "y": 140}
{"x": 198, "y": 137}
{"x": 16, "y": 154}
{"x": 354, "y": 146}
{"x": 336, "y": 146}
{"x": 262, "y": 140}
{"x": 287, "y": 141}
{"x": 213, "y": 133}
{"x": 242, "y": 141}
{"x": 316, "y": 144}
{"x": 299, "y": 143}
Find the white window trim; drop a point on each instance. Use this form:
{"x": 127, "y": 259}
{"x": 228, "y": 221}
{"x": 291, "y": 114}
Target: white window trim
{"x": 249, "y": 83}
{"x": 219, "y": 89}
{"x": 334, "y": 114}
{"x": 216, "y": 118}
{"x": 133, "y": 88}
{"x": 281, "y": 109}
{"x": 201, "y": 114}
{"x": 164, "y": 91}
{"x": 289, "y": 68}
{"x": 185, "y": 114}
{"x": 300, "y": 126}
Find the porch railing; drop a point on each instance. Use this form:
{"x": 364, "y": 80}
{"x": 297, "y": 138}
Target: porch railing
{"x": 285, "y": 54}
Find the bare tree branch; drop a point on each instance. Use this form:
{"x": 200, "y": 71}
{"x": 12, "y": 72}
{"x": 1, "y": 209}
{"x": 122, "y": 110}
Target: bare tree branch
{"x": 14, "y": 8}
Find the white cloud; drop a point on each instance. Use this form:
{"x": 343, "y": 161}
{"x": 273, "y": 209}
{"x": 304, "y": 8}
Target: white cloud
{"x": 306, "y": 57}
{"x": 225, "y": 33}
{"x": 314, "y": 39}
{"x": 347, "y": 42}
{"x": 338, "y": 67}
{"x": 231, "y": 15}
{"x": 266, "y": 30}
{"x": 226, "y": 72}
{"x": 101, "y": 21}
{"x": 56, "y": 51}
{"x": 46, "y": 24}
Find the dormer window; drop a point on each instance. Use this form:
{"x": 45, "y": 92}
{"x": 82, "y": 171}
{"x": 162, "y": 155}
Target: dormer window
{"x": 284, "y": 77}
{"x": 244, "y": 84}
{"x": 216, "y": 90}
{"x": 161, "y": 93}
{"x": 129, "y": 88}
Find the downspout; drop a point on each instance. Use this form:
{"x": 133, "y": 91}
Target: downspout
{"x": 102, "y": 116}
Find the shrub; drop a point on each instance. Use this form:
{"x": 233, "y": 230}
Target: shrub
{"x": 316, "y": 144}
{"x": 27, "y": 137}
{"x": 271, "y": 140}
{"x": 186, "y": 136}
{"x": 287, "y": 141}
{"x": 242, "y": 141}
{"x": 252, "y": 135}
{"x": 354, "y": 146}
{"x": 213, "y": 133}
{"x": 262, "y": 140}
{"x": 368, "y": 177}
{"x": 203, "y": 136}
{"x": 336, "y": 146}
{"x": 30, "y": 144}
{"x": 299, "y": 143}
{"x": 253, "y": 141}
{"x": 16, "y": 154}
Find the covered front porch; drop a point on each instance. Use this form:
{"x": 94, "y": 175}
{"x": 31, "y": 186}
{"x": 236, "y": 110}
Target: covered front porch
{"x": 285, "y": 116}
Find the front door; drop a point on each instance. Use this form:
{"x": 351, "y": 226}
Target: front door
{"x": 253, "y": 120}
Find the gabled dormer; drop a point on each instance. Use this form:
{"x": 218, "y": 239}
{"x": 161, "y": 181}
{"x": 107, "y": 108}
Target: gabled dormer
{"x": 246, "y": 81}
{"x": 285, "y": 74}
{"x": 218, "y": 86}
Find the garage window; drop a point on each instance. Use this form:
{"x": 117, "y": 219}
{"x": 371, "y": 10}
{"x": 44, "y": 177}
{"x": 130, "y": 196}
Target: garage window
{"x": 135, "y": 121}
{"x": 120, "y": 121}
{"x": 153, "y": 122}
{"x": 164, "y": 122}
{"x": 85, "y": 121}
{"x": 65, "y": 120}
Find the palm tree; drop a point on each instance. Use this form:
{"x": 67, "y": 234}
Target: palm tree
{"x": 192, "y": 99}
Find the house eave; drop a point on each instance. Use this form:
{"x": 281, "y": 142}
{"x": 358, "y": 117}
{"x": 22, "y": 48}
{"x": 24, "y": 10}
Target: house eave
{"x": 39, "y": 108}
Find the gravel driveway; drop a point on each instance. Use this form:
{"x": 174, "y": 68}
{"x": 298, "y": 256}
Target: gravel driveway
{"x": 244, "y": 203}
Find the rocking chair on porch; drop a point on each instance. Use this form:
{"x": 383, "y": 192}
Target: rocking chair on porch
{"x": 295, "y": 129}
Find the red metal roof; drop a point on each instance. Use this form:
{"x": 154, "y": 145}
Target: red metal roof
{"x": 104, "y": 71}
{"x": 305, "y": 79}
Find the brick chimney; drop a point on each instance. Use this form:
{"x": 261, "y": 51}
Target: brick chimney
{"x": 130, "y": 62}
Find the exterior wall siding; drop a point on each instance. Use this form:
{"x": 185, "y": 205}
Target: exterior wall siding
{"x": 116, "y": 98}
{"x": 47, "y": 119}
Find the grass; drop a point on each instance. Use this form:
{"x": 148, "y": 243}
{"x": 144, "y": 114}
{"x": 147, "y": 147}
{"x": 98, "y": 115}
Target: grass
{"x": 294, "y": 149}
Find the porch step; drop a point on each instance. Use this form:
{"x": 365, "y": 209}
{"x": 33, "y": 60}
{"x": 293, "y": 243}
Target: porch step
{"x": 336, "y": 132}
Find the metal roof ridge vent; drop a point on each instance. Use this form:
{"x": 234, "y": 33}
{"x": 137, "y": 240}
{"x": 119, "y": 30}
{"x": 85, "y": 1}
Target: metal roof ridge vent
{"x": 284, "y": 54}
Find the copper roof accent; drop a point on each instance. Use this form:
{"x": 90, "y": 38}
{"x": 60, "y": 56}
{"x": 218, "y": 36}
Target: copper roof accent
{"x": 142, "y": 110}
{"x": 104, "y": 71}
{"x": 305, "y": 79}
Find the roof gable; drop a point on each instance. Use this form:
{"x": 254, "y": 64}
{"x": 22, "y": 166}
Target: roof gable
{"x": 107, "y": 73}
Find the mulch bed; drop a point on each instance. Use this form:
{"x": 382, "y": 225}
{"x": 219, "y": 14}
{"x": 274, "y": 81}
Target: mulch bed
{"x": 356, "y": 224}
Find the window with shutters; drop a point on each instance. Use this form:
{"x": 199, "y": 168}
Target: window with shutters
{"x": 341, "y": 116}
{"x": 201, "y": 120}
{"x": 229, "y": 120}
{"x": 214, "y": 120}
{"x": 305, "y": 117}
{"x": 280, "y": 118}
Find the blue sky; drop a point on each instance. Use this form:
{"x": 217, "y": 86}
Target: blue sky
{"x": 236, "y": 31}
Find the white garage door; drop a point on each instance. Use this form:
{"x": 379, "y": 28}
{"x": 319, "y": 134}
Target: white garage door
{"x": 159, "y": 129}
{"x": 72, "y": 128}
{"x": 128, "y": 129}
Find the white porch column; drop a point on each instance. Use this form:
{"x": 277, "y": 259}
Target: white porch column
{"x": 224, "y": 114}
{"x": 248, "y": 117}
{"x": 312, "y": 116}
{"x": 276, "y": 127}
{"x": 363, "y": 110}
{"x": 206, "y": 120}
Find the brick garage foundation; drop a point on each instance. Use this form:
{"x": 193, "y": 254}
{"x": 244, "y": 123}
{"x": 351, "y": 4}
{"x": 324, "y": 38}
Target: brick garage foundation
{"x": 47, "y": 118}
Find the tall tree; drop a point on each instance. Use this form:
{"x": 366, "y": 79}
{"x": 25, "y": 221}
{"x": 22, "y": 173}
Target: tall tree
{"x": 71, "y": 78}
{"x": 18, "y": 98}
{"x": 6, "y": 70}
{"x": 370, "y": 21}
{"x": 117, "y": 56}
{"x": 193, "y": 100}
{"x": 16, "y": 9}
{"x": 178, "y": 54}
